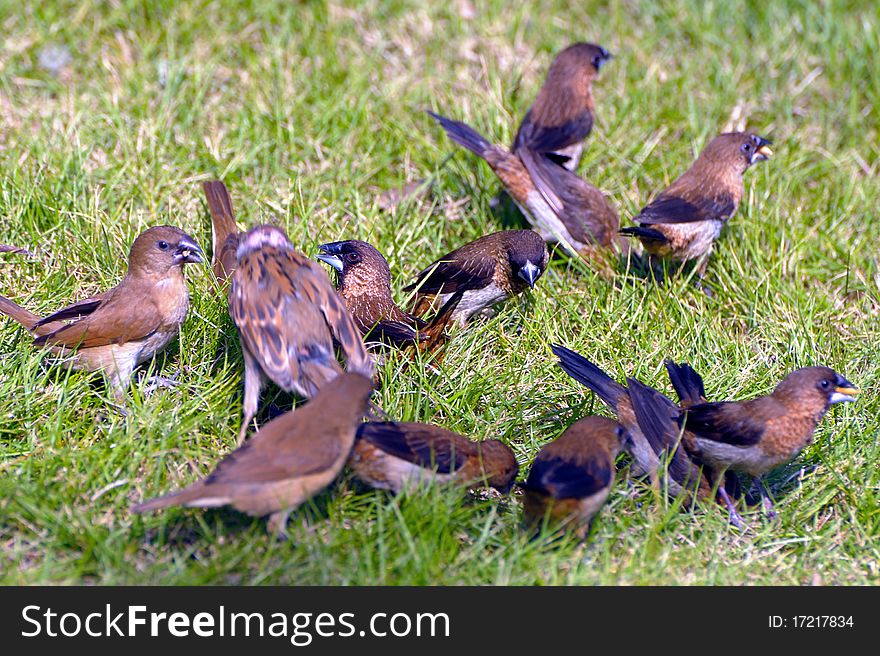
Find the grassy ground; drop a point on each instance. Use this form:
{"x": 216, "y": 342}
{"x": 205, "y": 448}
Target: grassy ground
{"x": 307, "y": 111}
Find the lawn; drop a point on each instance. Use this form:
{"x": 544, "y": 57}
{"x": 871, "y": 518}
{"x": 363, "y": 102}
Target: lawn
{"x": 111, "y": 114}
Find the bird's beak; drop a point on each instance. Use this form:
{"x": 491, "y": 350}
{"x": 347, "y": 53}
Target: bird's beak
{"x": 188, "y": 252}
{"x": 763, "y": 151}
{"x": 602, "y": 59}
{"x": 529, "y": 272}
{"x": 328, "y": 255}
{"x": 844, "y": 391}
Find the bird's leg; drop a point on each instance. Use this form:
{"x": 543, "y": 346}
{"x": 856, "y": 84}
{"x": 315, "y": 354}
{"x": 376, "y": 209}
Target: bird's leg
{"x": 252, "y": 384}
{"x": 701, "y": 276}
{"x": 156, "y": 382}
{"x": 277, "y": 523}
{"x": 766, "y": 500}
{"x": 735, "y": 518}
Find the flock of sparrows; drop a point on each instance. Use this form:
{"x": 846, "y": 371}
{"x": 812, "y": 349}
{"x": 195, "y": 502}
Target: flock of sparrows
{"x": 294, "y": 327}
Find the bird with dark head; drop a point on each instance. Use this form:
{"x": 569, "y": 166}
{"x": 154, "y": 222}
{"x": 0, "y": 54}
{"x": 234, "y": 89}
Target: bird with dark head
{"x": 364, "y": 283}
{"x": 562, "y": 115}
{"x": 118, "y": 329}
{"x": 761, "y": 434}
{"x": 685, "y": 219}
{"x": 561, "y": 206}
{"x": 394, "y": 455}
{"x": 285, "y": 463}
{"x": 571, "y": 477}
{"x": 487, "y": 271}
{"x": 288, "y": 316}
{"x": 652, "y": 422}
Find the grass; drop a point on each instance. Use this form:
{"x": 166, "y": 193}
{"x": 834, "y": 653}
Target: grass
{"x": 308, "y": 111}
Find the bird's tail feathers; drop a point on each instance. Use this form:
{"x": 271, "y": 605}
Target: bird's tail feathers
{"x": 587, "y": 373}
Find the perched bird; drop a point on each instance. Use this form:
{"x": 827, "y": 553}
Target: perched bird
{"x": 487, "y": 270}
{"x": 651, "y": 420}
{"x": 684, "y": 220}
{"x": 118, "y": 329}
{"x": 572, "y": 476}
{"x": 758, "y": 435}
{"x": 392, "y": 455}
{"x": 364, "y": 283}
{"x": 563, "y": 113}
{"x": 288, "y": 315}
{"x": 224, "y": 231}
{"x": 287, "y": 462}
{"x": 562, "y": 207}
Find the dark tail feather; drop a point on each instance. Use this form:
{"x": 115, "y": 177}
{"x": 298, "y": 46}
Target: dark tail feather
{"x": 586, "y": 373}
{"x": 648, "y": 234}
{"x": 464, "y": 135}
{"x": 688, "y": 383}
{"x": 224, "y": 230}
{"x": 26, "y": 318}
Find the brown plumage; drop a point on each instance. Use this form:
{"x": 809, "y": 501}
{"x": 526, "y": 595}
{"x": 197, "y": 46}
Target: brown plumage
{"x": 487, "y": 271}
{"x": 224, "y": 231}
{"x": 562, "y": 115}
{"x": 684, "y": 220}
{"x": 118, "y": 329}
{"x": 286, "y": 462}
{"x": 562, "y": 207}
{"x": 651, "y": 419}
{"x": 758, "y": 435}
{"x": 572, "y": 476}
{"x": 288, "y": 316}
{"x": 393, "y": 455}
{"x": 364, "y": 283}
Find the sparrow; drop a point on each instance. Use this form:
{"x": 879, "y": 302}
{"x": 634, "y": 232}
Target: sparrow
{"x": 651, "y": 420}
{"x": 487, "y": 270}
{"x": 287, "y": 462}
{"x": 118, "y": 329}
{"x": 224, "y": 231}
{"x": 572, "y": 476}
{"x": 684, "y": 220}
{"x": 288, "y": 316}
{"x": 760, "y": 434}
{"x": 563, "y": 113}
{"x": 393, "y": 455}
{"x": 561, "y": 206}
{"x": 364, "y": 283}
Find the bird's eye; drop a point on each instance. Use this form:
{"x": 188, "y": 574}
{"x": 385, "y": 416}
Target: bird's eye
{"x": 825, "y": 384}
{"x": 353, "y": 257}
{"x": 163, "y": 245}
{"x": 747, "y": 147}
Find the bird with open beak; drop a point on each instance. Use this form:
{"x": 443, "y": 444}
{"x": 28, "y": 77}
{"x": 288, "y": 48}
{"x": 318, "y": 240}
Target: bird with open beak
{"x": 364, "y": 283}
{"x": 116, "y": 330}
{"x": 391, "y": 455}
{"x": 487, "y": 271}
{"x": 682, "y": 223}
{"x": 571, "y": 477}
{"x": 763, "y": 433}
{"x": 563, "y": 113}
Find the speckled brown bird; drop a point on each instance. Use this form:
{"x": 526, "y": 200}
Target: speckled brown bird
{"x": 758, "y": 435}
{"x": 224, "y": 231}
{"x": 651, "y": 420}
{"x": 563, "y": 113}
{"x": 684, "y": 220}
{"x": 287, "y": 462}
{"x": 571, "y": 477}
{"x": 394, "y": 455}
{"x": 118, "y": 329}
{"x": 364, "y": 283}
{"x": 487, "y": 270}
{"x": 288, "y": 315}
{"x": 562, "y": 207}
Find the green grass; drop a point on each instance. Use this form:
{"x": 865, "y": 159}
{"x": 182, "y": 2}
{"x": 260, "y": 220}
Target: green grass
{"x": 307, "y": 111}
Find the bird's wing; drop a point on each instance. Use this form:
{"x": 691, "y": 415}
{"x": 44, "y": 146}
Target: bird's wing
{"x": 422, "y": 445}
{"x": 548, "y": 138}
{"x": 672, "y": 208}
{"x": 451, "y": 273}
{"x": 77, "y": 310}
{"x": 730, "y": 423}
{"x": 565, "y": 479}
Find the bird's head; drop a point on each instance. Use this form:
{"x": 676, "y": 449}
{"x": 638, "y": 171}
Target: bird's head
{"x": 160, "y": 249}
{"x": 357, "y": 264}
{"x": 816, "y": 388}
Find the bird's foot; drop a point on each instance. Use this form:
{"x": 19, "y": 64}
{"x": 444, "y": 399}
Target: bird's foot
{"x": 154, "y": 383}
{"x": 769, "y": 510}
